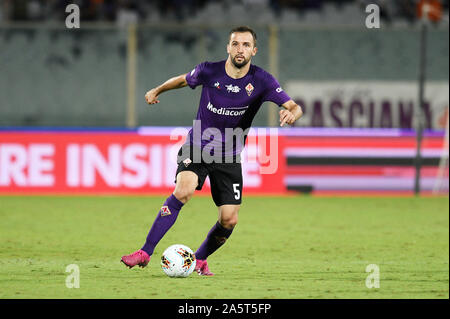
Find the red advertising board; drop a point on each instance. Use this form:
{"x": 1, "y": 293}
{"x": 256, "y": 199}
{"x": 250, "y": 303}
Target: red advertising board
{"x": 119, "y": 162}
{"x": 143, "y": 161}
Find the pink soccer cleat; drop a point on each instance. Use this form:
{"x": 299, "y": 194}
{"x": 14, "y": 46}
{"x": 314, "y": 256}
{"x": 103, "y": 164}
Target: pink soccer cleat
{"x": 140, "y": 258}
{"x": 202, "y": 268}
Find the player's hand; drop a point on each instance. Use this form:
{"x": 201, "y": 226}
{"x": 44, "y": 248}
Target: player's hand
{"x": 286, "y": 117}
{"x": 151, "y": 97}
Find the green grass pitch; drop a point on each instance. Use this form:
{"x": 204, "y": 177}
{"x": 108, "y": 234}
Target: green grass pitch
{"x": 297, "y": 247}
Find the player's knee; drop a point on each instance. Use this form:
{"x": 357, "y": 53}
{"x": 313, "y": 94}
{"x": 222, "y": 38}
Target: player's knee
{"x": 186, "y": 182}
{"x": 229, "y": 221}
{"x": 183, "y": 194}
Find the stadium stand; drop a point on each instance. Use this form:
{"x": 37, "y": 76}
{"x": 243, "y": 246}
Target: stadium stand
{"x": 316, "y": 41}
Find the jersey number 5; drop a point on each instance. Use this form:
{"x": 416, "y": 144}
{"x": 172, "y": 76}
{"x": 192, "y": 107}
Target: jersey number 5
{"x": 237, "y": 193}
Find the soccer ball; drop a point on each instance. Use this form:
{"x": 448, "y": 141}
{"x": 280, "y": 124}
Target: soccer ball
{"x": 178, "y": 261}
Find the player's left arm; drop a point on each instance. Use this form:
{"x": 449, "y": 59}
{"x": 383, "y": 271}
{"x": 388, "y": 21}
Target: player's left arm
{"x": 291, "y": 113}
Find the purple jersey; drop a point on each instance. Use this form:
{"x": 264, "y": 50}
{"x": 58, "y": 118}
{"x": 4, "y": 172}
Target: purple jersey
{"x": 228, "y": 106}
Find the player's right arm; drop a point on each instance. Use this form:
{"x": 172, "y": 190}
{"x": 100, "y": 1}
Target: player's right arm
{"x": 173, "y": 83}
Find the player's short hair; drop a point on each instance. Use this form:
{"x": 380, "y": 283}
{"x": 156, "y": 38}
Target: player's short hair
{"x": 244, "y": 29}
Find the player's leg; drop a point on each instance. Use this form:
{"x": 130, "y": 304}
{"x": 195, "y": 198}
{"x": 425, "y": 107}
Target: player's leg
{"x": 220, "y": 232}
{"x": 188, "y": 177}
{"x": 185, "y": 187}
{"x": 226, "y": 188}
{"x": 186, "y": 183}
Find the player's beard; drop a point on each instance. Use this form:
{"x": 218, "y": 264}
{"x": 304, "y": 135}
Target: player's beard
{"x": 240, "y": 64}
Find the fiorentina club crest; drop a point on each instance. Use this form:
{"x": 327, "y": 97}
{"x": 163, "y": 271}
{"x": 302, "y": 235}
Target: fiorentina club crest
{"x": 249, "y": 88}
{"x": 187, "y": 161}
{"x": 165, "y": 211}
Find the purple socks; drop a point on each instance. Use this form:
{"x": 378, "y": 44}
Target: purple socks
{"x": 215, "y": 238}
{"x": 166, "y": 217}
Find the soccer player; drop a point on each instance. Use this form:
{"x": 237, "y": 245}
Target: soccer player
{"x": 232, "y": 93}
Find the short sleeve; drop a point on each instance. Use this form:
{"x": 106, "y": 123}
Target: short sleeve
{"x": 273, "y": 92}
{"x": 195, "y": 77}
